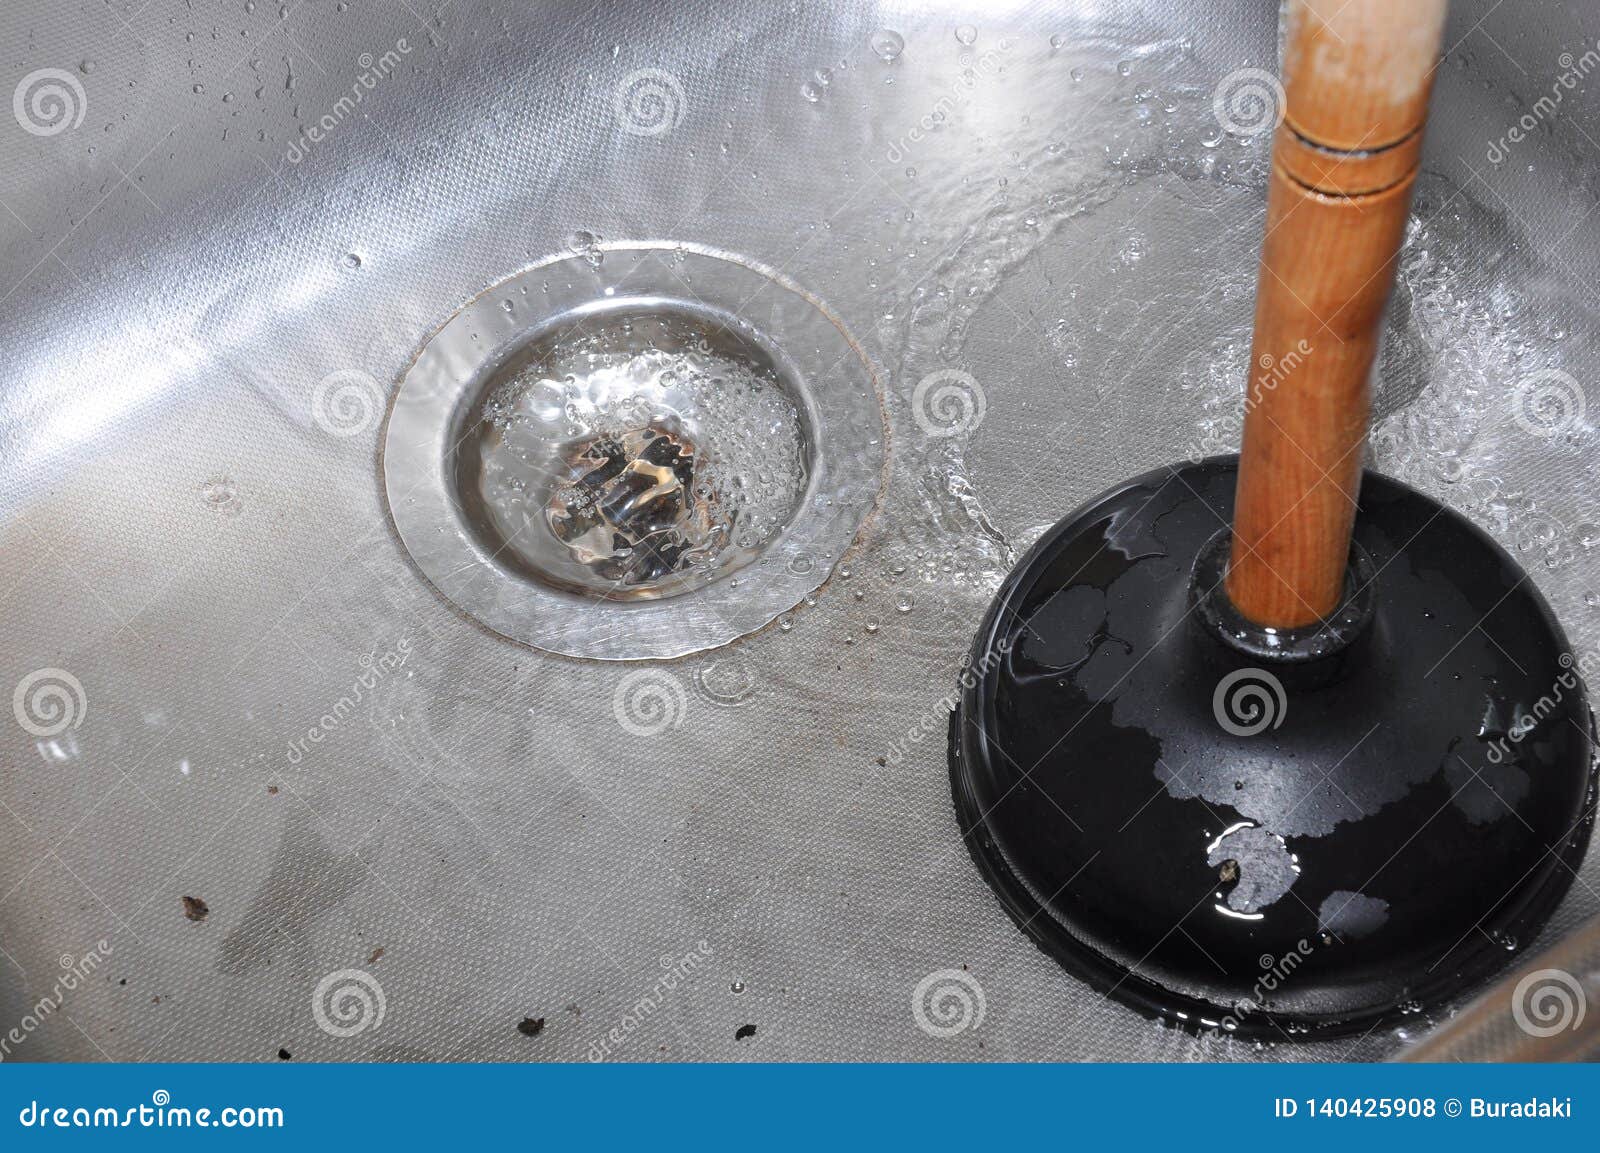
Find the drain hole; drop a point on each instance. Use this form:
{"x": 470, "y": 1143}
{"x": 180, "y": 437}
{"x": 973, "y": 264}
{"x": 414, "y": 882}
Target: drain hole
{"x": 634, "y": 453}
{"x": 625, "y": 471}
{"x": 632, "y": 513}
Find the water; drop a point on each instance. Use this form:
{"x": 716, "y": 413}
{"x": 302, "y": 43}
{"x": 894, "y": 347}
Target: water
{"x": 1078, "y": 225}
{"x": 1103, "y": 244}
{"x": 887, "y": 45}
{"x": 636, "y": 457}
{"x": 997, "y": 194}
{"x": 1002, "y": 193}
{"x": 1477, "y": 361}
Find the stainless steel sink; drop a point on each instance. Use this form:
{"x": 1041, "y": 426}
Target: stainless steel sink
{"x": 270, "y": 784}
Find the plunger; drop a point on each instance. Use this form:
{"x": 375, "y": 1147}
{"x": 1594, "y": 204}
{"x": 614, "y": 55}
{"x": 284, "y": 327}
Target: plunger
{"x": 1269, "y": 743}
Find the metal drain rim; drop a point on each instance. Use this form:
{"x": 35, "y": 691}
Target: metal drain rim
{"x": 823, "y": 367}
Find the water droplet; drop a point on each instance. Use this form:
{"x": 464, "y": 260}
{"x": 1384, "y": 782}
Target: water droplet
{"x": 811, "y": 92}
{"x": 872, "y": 625}
{"x": 736, "y": 988}
{"x": 1057, "y": 41}
{"x": 86, "y": 67}
{"x": 350, "y": 260}
{"x": 887, "y": 45}
{"x": 904, "y": 603}
{"x": 966, "y": 33}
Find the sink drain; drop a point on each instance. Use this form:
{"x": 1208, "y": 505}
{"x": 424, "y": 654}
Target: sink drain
{"x": 637, "y": 451}
{"x": 635, "y": 457}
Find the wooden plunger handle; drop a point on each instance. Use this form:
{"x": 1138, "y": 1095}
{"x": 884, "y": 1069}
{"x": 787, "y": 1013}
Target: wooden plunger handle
{"x": 1357, "y": 76}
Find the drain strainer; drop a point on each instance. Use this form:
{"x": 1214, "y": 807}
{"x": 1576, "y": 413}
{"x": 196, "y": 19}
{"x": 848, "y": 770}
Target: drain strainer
{"x": 634, "y": 452}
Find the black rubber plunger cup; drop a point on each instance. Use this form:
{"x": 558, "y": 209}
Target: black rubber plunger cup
{"x": 1268, "y": 744}
{"x": 1302, "y": 833}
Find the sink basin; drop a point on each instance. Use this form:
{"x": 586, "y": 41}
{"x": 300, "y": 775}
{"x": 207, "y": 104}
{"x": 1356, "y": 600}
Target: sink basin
{"x": 276, "y": 787}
